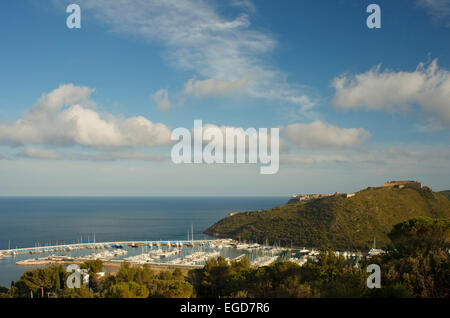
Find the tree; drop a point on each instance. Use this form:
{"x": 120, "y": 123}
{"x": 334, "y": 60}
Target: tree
{"x": 126, "y": 273}
{"x": 40, "y": 281}
{"x": 4, "y": 292}
{"x": 218, "y": 278}
{"x": 93, "y": 266}
{"x": 420, "y": 235}
{"x": 177, "y": 274}
{"x": 177, "y": 289}
{"x": 165, "y": 275}
{"x": 127, "y": 290}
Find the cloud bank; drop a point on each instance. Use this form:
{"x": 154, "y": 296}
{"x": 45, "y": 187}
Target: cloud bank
{"x": 428, "y": 87}
{"x": 66, "y": 117}
{"x": 321, "y": 135}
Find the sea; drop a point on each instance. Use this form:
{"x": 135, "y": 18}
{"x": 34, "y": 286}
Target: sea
{"x": 32, "y": 221}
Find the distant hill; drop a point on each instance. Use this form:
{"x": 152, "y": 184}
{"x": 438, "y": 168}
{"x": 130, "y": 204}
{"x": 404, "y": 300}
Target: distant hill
{"x": 335, "y": 221}
{"x": 446, "y": 193}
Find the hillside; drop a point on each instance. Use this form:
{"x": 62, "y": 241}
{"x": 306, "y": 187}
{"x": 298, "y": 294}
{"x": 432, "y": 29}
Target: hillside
{"x": 337, "y": 222}
{"x": 446, "y": 193}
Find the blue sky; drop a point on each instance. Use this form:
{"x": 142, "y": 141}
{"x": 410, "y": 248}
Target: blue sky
{"x": 355, "y": 106}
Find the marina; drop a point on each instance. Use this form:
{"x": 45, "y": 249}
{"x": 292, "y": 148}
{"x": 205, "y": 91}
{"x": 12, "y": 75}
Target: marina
{"x": 173, "y": 250}
{"x": 174, "y": 253}
{"x": 75, "y": 228}
{"x": 183, "y": 254}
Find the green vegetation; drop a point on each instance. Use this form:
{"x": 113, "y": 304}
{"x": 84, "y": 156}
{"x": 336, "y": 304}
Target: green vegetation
{"x": 420, "y": 235}
{"x": 445, "y": 193}
{"x": 136, "y": 281}
{"x": 335, "y": 222}
{"x": 405, "y": 270}
{"x": 417, "y": 264}
{"x": 93, "y": 266}
{"x": 128, "y": 282}
{"x": 330, "y": 276}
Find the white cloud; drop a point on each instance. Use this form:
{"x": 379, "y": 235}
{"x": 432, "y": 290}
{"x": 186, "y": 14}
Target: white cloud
{"x": 65, "y": 117}
{"x": 213, "y": 87}
{"x": 438, "y": 9}
{"x": 319, "y": 134}
{"x": 161, "y": 98}
{"x": 427, "y": 86}
{"x": 200, "y": 39}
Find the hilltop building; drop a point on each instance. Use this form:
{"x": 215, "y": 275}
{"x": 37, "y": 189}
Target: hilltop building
{"x": 345, "y": 195}
{"x": 403, "y": 183}
{"x": 400, "y": 184}
{"x": 305, "y": 197}
{"x": 315, "y": 196}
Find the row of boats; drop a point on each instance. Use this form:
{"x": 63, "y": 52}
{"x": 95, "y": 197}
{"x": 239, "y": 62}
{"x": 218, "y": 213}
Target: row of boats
{"x": 152, "y": 256}
{"x": 197, "y": 258}
{"x": 264, "y": 260}
{"x": 106, "y": 255}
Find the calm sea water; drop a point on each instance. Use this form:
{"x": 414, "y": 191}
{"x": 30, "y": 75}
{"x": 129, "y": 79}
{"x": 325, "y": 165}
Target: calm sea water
{"x": 25, "y": 221}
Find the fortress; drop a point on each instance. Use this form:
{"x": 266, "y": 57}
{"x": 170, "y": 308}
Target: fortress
{"x": 403, "y": 183}
{"x": 308, "y": 197}
{"x": 400, "y": 184}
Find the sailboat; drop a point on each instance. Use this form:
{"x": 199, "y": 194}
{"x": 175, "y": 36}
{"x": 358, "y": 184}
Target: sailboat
{"x": 374, "y": 251}
{"x": 191, "y": 242}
